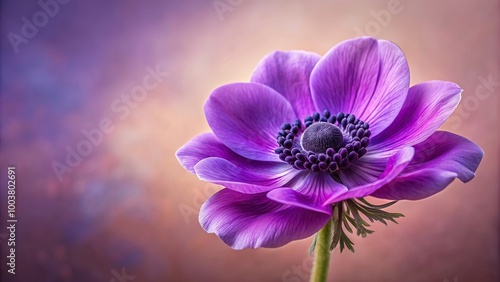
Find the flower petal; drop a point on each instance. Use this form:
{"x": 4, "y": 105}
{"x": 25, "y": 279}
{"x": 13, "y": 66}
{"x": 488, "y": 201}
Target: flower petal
{"x": 426, "y": 107}
{"x": 416, "y": 185}
{"x": 288, "y": 73}
{"x": 438, "y": 160}
{"x": 246, "y": 117}
{"x": 201, "y": 147}
{"x": 395, "y": 165}
{"x": 365, "y": 77}
{"x": 447, "y": 151}
{"x": 246, "y": 177}
{"x": 365, "y": 170}
{"x": 253, "y": 220}
{"x": 309, "y": 191}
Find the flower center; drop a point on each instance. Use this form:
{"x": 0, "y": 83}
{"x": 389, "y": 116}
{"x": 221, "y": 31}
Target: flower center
{"x": 327, "y": 142}
{"x": 320, "y": 136}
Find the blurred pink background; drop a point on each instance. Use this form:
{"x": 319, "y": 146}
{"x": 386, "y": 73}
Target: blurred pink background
{"x": 129, "y": 206}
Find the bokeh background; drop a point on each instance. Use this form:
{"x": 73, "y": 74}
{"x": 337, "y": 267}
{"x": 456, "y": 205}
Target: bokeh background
{"x": 128, "y": 208}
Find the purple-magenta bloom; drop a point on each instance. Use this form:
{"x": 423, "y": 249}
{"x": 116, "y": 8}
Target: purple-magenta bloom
{"x": 309, "y": 131}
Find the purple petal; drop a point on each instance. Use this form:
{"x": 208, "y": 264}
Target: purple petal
{"x": 395, "y": 165}
{"x": 309, "y": 191}
{"x": 365, "y": 170}
{"x": 438, "y": 160}
{"x": 426, "y": 107}
{"x": 253, "y": 220}
{"x": 288, "y": 73}
{"x": 447, "y": 151}
{"x": 201, "y": 147}
{"x": 246, "y": 117}
{"x": 364, "y": 77}
{"x": 245, "y": 176}
{"x": 417, "y": 185}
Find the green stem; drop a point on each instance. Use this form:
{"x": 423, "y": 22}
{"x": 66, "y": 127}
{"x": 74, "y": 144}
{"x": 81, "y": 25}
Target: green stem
{"x": 322, "y": 260}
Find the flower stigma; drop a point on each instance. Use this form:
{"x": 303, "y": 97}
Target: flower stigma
{"x": 320, "y": 136}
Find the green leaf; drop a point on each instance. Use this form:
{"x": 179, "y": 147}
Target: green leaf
{"x": 351, "y": 214}
{"x": 313, "y": 244}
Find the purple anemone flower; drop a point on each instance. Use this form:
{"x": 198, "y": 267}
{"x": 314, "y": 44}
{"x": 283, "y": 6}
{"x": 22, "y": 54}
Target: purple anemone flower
{"x": 308, "y": 131}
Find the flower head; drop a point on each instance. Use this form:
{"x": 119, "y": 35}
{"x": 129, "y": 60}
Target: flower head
{"x": 308, "y": 131}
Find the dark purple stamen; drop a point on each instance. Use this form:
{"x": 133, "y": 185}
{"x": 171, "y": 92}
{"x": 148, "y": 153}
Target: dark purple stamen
{"x": 323, "y": 142}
